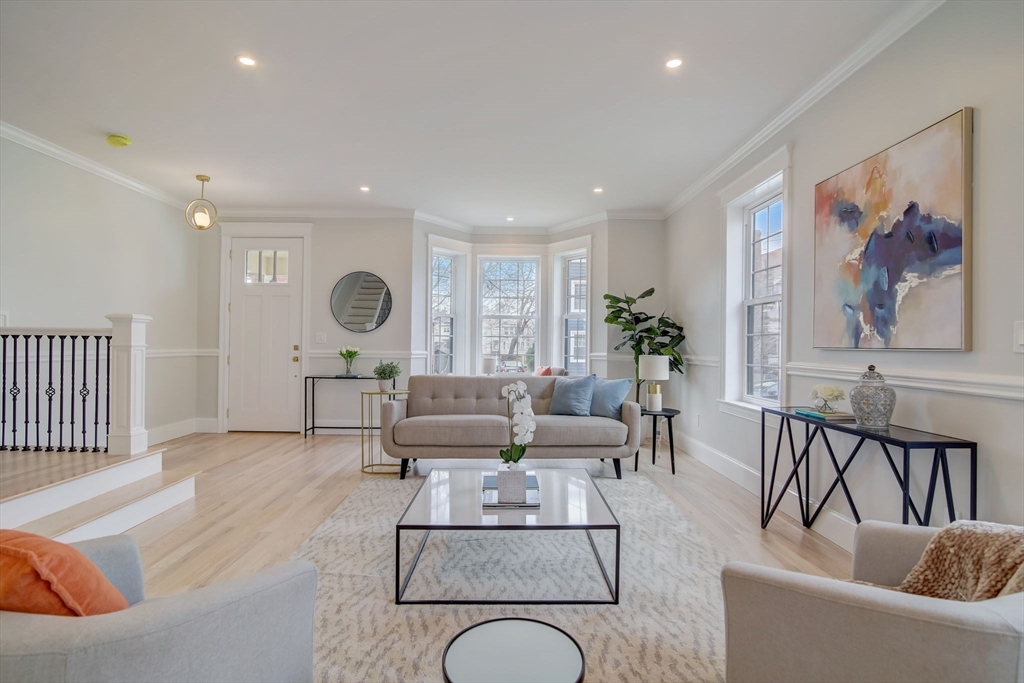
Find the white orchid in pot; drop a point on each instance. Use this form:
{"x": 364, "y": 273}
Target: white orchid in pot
{"x": 521, "y": 426}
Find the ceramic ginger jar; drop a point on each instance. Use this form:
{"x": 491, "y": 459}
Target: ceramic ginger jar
{"x": 872, "y": 401}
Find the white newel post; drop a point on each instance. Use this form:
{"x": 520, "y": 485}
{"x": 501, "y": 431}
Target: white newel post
{"x": 128, "y": 434}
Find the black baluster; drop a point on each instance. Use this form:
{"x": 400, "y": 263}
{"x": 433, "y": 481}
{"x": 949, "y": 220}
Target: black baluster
{"x": 49, "y": 395}
{"x": 14, "y": 394}
{"x": 39, "y": 445}
{"x": 3, "y": 400}
{"x": 96, "y": 403}
{"x": 60, "y": 428}
{"x": 26, "y": 447}
{"x": 106, "y": 443}
{"x": 71, "y": 398}
{"x": 84, "y": 391}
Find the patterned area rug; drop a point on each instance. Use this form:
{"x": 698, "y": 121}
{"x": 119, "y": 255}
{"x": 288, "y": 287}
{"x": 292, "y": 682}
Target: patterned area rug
{"x": 667, "y": 627}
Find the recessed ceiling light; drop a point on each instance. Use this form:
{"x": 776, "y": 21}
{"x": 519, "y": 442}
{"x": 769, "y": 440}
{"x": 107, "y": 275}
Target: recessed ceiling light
{"x": 510, "y": 218}
{"x": 246, "y": 61}
{"x": 364, "y": 188}
{"x": 598, "y": 190}
{"x": 673, "y": 63}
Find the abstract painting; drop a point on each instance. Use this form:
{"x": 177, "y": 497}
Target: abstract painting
{"x": 892, "y": 245}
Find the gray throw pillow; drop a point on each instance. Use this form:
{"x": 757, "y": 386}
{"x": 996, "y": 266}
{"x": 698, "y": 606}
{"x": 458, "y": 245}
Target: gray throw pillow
{"x": 572, "y": 395}
{"x": 608, "y": 397}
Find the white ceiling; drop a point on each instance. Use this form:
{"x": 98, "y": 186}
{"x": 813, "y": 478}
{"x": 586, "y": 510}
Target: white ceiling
{"x": 471, "y": 111}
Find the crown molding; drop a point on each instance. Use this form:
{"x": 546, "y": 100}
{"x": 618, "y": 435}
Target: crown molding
{"x": 635, "y": 215}
{"x": 244, "y": 214}
{"x": 443, "y": 222}
{"x": 33, "y": 142}
{"x": 578, "y": 223}
{"x": 909, "y": 16}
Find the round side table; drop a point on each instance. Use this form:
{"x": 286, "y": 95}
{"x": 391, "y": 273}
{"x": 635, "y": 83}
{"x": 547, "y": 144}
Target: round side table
{"x": 668, "y": 414}
{"x": 512, "y": 650}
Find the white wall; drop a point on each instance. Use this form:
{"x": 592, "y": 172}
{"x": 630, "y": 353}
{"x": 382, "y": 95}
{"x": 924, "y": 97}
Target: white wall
{"x": 965, "y": 54}
{"x": 75, "y": 247}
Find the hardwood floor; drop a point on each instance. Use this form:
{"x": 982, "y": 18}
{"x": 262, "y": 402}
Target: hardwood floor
{"x": 259, "y": 495}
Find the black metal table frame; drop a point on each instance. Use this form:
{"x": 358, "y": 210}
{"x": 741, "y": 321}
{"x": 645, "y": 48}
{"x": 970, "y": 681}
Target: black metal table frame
{"x": 668, "y": 414}
{"x": 309, "y": 402}
{"x": 401, "y": 585}
{"x": 770, "y": 502}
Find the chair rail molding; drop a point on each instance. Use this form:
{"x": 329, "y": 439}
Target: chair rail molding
{"x": 1008, "y": 387}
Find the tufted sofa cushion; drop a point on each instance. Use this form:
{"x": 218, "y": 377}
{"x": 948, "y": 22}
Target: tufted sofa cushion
{"x": 453, "y": 430}
{"x": 456, "y": 395}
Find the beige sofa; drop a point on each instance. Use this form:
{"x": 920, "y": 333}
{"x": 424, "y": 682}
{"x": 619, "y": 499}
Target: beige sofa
{"x": 447, "y": 416}
{"x": 255, "y": 628}
{"x": 784, "y": 626}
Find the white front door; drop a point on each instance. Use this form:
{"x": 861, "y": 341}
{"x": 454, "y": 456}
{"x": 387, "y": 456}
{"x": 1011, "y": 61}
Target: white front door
{"x": 265, "y": 314}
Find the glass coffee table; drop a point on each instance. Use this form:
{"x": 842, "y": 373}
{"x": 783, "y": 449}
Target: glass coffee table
{"x": 536, "y": 652}
{"x": 452, "y": 500}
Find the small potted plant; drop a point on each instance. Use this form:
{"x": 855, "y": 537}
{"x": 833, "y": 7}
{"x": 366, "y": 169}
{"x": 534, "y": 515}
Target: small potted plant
{"x": 826, "y": 397}
{"x": 349, "y": 353}
{"x": 386, "y": 372}
{"x": 521, "y": 426}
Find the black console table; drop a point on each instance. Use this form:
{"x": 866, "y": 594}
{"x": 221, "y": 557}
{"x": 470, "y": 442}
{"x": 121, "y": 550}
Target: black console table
{"x": 309, "y": 401}
{"x": 899, "y": 437}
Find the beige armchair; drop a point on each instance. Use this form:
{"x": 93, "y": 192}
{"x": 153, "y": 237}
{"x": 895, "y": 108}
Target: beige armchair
{"x": 784, "y": 626}
{"x": 257, "y": 628}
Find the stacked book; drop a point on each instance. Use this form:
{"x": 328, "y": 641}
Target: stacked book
{"x": 825, "y": 417}
{"x": 491, "y": 493}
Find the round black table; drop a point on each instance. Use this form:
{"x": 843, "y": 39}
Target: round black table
{"x": 668, "y": 414}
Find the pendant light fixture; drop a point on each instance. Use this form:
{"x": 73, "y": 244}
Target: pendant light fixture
{"x": 201, "y": 214}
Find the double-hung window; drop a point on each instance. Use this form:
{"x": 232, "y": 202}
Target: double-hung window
{"x": 509, "y": 312}
{"x": 762, "y": 301}
{"x": 442, "y": 315}
{"x": 574, "y": 317}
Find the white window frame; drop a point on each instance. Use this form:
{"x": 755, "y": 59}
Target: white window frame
{"x": 538, "y": 300}
{"x": 749, "y": 300}
{"x": 765, "y": 180}
{"x": 567, "y": 313}
{"x": 452, "y": 316}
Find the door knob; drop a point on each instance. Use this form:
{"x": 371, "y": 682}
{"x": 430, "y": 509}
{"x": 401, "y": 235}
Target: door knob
{"x": 295, "y": 359}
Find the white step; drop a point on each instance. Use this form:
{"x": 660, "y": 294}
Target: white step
{"x": 27, "y": 507}
{"x": 117, "y": 511}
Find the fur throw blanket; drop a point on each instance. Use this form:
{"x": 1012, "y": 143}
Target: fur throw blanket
{"x": 970, "y": 561}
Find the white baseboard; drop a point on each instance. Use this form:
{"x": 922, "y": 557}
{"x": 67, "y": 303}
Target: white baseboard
{"x": 206, "y": 425}
{"x": 200, "y": 425}
{"x": 835, "y": 527}
{"x": 171, "y": 431}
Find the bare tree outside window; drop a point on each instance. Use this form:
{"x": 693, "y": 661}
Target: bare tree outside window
{"x": 508, "y": 320}
{"x": 442, "y": 316}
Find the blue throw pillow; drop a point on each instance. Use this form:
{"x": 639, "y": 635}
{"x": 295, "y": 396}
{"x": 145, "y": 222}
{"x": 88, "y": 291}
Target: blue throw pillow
{"x": 608, "y": 397}
{"x": 572, "y": 395}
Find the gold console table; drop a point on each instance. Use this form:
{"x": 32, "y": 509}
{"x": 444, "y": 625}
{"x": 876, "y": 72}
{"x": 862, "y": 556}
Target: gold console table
{"x": 373, "y": 456}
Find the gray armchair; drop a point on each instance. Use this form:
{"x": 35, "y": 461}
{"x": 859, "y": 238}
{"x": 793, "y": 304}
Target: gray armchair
{"x": 784, "y": 626}
{"x": 257, "y": 628}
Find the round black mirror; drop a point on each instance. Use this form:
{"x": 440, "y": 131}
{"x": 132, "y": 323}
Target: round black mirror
{"x": 361, "y": 301}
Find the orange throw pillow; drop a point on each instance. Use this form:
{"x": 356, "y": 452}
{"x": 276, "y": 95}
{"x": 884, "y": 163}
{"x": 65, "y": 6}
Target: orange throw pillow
{"x": 543, "y": 371}
{"x": 42, "y": 576}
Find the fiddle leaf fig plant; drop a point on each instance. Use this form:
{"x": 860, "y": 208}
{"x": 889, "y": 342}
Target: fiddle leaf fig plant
{"x": 645, "y": 334}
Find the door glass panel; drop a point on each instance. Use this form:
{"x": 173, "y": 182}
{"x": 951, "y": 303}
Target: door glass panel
{"x": 266, "y": 266}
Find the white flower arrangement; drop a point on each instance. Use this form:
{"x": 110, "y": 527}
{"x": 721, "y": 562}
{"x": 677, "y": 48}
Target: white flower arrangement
{"x": 825, "y": 396}
{"x": 349, "y": 353}
{"x": 521, "y": 424}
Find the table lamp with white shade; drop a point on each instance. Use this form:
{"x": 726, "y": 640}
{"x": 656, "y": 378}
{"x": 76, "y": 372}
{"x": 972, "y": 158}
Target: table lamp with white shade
{"x": 653, "y": 369}
{"x": 489, "y": 366}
